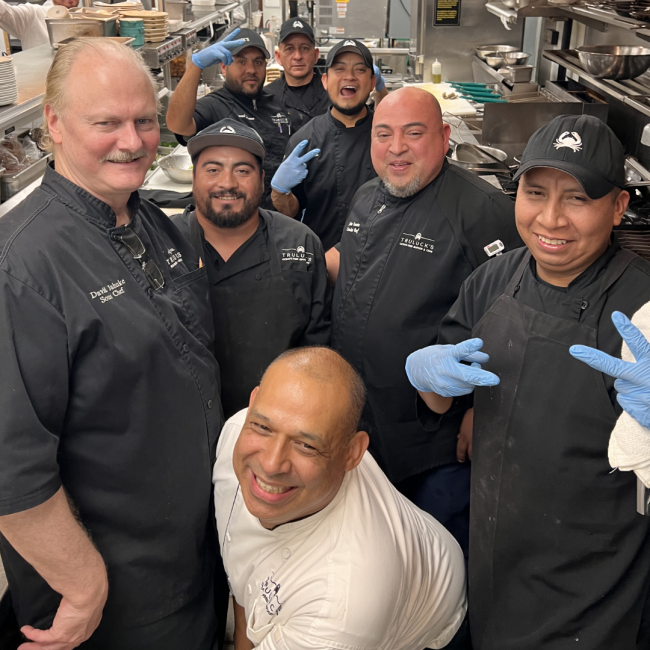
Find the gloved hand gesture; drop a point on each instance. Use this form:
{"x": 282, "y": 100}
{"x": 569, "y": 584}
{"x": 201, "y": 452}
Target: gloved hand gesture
{"x": 293, "y": 169}
{"x": 380, "y": 82}
{"x": 437, "y": 369}
{"x": 217, "y": 52}
{"x": 632, "y": 379}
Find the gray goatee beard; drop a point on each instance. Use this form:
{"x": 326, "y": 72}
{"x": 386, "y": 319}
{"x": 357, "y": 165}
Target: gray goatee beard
{"x": 403, "y": 191}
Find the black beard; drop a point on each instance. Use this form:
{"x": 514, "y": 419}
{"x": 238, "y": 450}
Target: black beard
{"x": 353, "y": 110}
{"x": 229, "y": 218}
{"x": 238, "y": 88}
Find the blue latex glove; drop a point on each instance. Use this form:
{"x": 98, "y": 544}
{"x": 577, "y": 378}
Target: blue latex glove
{"x": 293, "y": 169}
{"x": 632, "y": 379}
{"x": 380, "y": 82}
{"x": 218, "y": 52}
{"x": 437, "y": 369}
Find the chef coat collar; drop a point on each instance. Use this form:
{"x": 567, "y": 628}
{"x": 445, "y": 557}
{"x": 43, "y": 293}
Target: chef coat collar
{"x": 245, "y": 99}
{"x": 389, "y": 198}
{"x": 340, "y": 125}
{"x": 589, "y": 275}
{"x": 83, "y": 202}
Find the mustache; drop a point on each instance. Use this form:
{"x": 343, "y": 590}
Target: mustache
{"x": 124, "y": 156}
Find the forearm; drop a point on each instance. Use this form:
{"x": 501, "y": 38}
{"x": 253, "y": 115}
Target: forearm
{"x": 242, "y": 642}
{"x": 54, "y": 543}
{"x": 180, "y": 114}
{"x": 379, "y": 95}
{"x": 436, "y": 403}
{"x": 285, "y": 203}
{"x": 333, "y": 261}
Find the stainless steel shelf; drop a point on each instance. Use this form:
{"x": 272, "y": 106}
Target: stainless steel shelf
{"x": 631, "y": 91}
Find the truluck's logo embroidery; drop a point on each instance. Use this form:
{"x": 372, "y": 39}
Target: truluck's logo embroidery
{"x": 417, "y": 242}
{"x": 569, "y": 140}
{"x": 270, "y": 594}
{"x": 226, "y": 129}
{"x": 298, "y": 254}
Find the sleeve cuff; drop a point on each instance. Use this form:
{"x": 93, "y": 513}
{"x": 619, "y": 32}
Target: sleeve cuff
{"x": 14, "y": 505}
{"x": 431, "y": 421}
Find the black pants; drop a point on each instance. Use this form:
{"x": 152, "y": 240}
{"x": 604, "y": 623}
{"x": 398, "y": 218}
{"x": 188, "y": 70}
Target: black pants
{"x": 193, "y": 627}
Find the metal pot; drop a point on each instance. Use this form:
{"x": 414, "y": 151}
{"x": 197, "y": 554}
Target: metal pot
{"x": 470, "y": 157}
{"x": 177, "y": 167}
{"x": 614, "y": 61}
{"x": 483, "y": 50}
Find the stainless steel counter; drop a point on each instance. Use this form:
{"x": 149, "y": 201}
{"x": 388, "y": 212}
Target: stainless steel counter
{"x": 31, "y": 69}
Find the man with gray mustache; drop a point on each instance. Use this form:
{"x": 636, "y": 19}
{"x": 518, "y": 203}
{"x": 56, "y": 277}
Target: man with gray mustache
{"x": 109, "y": 391}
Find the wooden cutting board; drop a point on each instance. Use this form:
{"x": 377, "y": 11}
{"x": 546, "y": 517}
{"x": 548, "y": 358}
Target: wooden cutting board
{"x": 458, "y": 106}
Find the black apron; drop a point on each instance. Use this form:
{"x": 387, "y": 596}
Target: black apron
{"x": 253, "y": 325}
{"x": 559, "y": 558}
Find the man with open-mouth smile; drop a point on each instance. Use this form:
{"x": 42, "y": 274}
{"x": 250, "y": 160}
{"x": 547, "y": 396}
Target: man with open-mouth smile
{"x": 560, "y": 557}
{"x": 336, "y": 145}
{"x": 320, "y": 550}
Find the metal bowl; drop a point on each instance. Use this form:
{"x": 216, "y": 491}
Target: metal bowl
{"x": 497, "y": 60}
{"x": 177, "y": 167}
{"x": 508, "y": 3}
{"x": 483, "y": 50}
{"x": 614, "y": 61}
{"x": 471, "y": 157}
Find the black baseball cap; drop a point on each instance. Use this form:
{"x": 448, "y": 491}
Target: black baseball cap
{"x": 349, "y": 45}
{"x": 582, "y": 146}
{"x": 227, "y": 133}
{"x": 253, "y": 39}
{"x": 296, "y": 26}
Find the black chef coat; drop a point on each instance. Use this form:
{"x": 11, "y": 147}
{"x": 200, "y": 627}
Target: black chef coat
{"x": 250, "y": 333}
{"x": 263, "y": 114}
{"x": 340, "y": 169}
{"x": 300, "y": 105}
{"x": 567, "y": 559}
{"x": 110, "y": 389}
{"x": 403, "y": 262}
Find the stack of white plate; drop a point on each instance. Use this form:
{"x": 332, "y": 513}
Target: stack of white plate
{"x": 155, "y": 24}
{"x": 120, "y": 6}
{"x": 8, "y": 88}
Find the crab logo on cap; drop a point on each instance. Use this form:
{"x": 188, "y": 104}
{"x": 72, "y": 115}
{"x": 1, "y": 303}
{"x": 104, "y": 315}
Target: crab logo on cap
{"x": 226, "y": 129}
{"x": 570, "y": 140}
{"x": 350, "y": 43}
{"x": 297, "y": 23}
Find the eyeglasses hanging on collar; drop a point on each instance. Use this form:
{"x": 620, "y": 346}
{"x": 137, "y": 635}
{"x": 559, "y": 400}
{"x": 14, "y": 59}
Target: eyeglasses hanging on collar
{"x": 139, "y": 252}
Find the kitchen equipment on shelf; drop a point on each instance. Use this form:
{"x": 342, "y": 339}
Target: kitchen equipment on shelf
{"x": 134, "y": 28}
{"x": 483, "y": 50}
{"x": 177, "y": 167}
{"x": 8, "y": 88}
{"x": 517, "y": 73}
{"x": 614, "y": 61}
{"x": 474, "y": 155}
{"x": 497, "y": 60}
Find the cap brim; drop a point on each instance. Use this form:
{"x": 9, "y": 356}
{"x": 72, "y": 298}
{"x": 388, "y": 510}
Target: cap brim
{"x": 595, "y": 185}
{"x": 197, "y": 144}
{"x": 297, "y": 31}
{"x": 348, "y": 48}
{"x": 237, "y": 50}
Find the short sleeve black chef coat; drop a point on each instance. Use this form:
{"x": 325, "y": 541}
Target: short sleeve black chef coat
{"x": 340, "y": 169}
{"x": 263, "y": 114}
{"x": 303, "y": 104}
{"x": 242, "y": 277}
{"x": 110, "y": 389}
{"x": 402, "y": 264}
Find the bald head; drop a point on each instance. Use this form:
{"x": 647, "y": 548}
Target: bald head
{"x": 409, "y": 141}
{"x": 325, "y": 366}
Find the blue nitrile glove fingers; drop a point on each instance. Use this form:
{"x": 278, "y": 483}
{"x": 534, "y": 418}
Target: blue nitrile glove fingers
{"x": 217, "y": 52}
{"x": 632, "y": 378}
{"x": 293, "y": 169}
{"x": 437, "y": 369}
{"x": 380, "y": 82}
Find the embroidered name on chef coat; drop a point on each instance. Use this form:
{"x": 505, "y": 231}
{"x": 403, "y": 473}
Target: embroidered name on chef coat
{"x": 298, "y": 254}
{"x": 417, "y": 242}
{"x": 353, "y": 226}
{"x": 108, "y": 291}
{"x": 270, "y": 590}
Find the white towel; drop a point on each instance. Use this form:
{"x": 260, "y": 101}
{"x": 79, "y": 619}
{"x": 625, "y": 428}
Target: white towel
{"x": 629, "y": 444}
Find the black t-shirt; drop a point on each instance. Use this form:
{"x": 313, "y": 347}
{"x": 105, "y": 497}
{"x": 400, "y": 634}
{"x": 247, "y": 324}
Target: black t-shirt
{"x": 109, "y": 389}
{"x": 402, "y": 264}
{"x": 301, "y": 103}
{"x": 341, "y": 168}
{"x": 261, "y": 113}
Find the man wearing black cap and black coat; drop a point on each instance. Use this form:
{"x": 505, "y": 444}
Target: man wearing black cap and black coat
{"x": 267, "y": 274}
{"x": 299, "y": 90}
{"x": 559, "y": 556}
{"x": 321, "y": 194}
{"x": 242, "y": 98}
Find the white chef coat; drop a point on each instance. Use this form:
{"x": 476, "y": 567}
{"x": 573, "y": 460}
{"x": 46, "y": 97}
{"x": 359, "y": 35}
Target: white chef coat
{"x": 371, "y": 571}
{"x": 25, "y": 22}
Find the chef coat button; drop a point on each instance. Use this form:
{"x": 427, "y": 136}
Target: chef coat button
{"x": 338, "y": 132}
{"x": 186, "y": 347}
{"x": 250, "y": 590}
{"x": 584, "y": 305}
{"x": 286, "y": 553}
{"x": 258, "y": 276}
{"x": 209, "y": 403}
{"x": 341, "y": 168}
{"x": 149, "y": 291}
